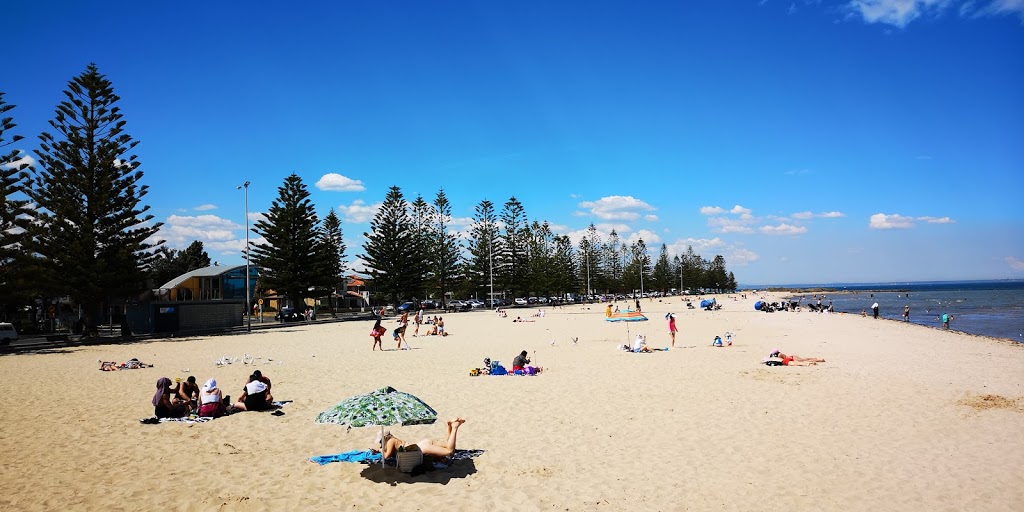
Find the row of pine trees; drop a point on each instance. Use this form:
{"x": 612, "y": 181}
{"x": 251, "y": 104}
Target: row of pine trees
{"x": 74, "y": 225}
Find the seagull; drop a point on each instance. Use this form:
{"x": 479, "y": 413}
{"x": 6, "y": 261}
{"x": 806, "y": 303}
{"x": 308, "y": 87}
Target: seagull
{"x": 574, "y": 340}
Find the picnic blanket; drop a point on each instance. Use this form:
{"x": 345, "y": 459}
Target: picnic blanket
{"x": 153, "y": 420}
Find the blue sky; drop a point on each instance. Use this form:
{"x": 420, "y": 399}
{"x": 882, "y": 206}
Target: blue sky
{"x": 806, "y": 142}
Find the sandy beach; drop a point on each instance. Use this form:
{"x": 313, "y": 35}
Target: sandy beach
{"x": 900, "y": 417}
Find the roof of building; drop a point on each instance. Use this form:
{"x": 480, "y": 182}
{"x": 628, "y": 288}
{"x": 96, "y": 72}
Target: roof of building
{"x": 211, "y": 271}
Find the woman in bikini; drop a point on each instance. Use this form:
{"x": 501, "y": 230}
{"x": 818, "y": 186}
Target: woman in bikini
{"x": 436, "y": 449}
{"x": 795, "y": 360}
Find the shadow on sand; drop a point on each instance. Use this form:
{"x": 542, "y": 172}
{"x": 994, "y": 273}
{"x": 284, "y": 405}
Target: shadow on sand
{"x": 422, "y": 474}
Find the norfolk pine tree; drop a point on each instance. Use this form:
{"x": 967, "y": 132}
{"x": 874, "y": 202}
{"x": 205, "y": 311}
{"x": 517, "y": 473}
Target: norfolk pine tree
{"x": 483, "y": 246}
{"x": 13, "y": 258}
{"x": 390, "y": 250}
{"x": 89, "y": 223}
{"x": 331, "y": 258}
{"x": 288, "y": 261}
{"x": 445, "y": 249}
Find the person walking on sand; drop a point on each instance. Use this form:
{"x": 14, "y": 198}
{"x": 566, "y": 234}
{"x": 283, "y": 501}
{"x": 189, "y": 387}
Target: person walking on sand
{"x": 377, "y": 331}
{"x": 874, "y": 310}
{"x": 672, "y": 330}
{"x": 906, "y": 313}
{"x": 418, "y": 319}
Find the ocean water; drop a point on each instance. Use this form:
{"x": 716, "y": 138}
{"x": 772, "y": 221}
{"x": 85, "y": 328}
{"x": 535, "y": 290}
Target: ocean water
{"x": 988, "y": 308}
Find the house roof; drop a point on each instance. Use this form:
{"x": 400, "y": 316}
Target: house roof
{"x": 211, "y": 271}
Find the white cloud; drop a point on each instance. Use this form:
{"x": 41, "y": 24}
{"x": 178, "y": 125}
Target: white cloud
{"x": 823, "y": 215}
{"x": 461, "y": 222}
{"x": 1014, "y": 263}
{"x": 739, "y": 210}
{"x": 336, "y": 182}
{"x": 358, "y": 212}
{"x": 616, "y": 207}
{"x": 213, "y": 231}
{"x": 803, "y": 215}
{"x": 900, "y": 13}
{"x": 783, "y": 229}
{"x": 605, "y": 228}
{"x": 832, "y": 215}
{"x": 711, "y": 210}
{"x": 651, "y": 218}
{"x": 649, "y": 237}
{"x": 936, "y": 220}
{"x": 742, "y": 257}
{"x": 23, "y": 159}
{"x": 727, "y": 225}
{"x": 894, "y": 221}
{"x": 205, "y": 207}
{"x": 897, "y": 13}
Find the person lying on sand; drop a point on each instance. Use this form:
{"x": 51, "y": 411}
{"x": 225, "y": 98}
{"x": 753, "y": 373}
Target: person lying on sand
{"x": 520, "y": 320}
{"x": 435, "y": 449}
{"x": 793, "y": 360}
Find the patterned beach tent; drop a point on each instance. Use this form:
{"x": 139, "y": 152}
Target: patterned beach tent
{"x": 384, "y": 407}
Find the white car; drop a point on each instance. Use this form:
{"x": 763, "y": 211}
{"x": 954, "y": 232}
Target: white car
{"x": 7, "y": 333}
{"x": 521, "y": 301}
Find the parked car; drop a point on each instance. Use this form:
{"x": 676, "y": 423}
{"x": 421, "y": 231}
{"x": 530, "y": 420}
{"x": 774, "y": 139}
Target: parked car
{"x": 288, "y": 315}
{"x": 407, "y": 306}
{"x": 531, "y": 300}
{"x": 476, "y": 304}
{"x": 7, "y": 333}
{"x": 521, "y": 301}
{"x": 430, "y": 304}
{"x": 496, "y": 303}
{"x": 458, "y": 305}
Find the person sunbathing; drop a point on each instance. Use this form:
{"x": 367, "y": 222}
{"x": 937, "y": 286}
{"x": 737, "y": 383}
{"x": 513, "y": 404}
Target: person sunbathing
{"x": 520, "y": 320}
{"x": 794, "y": 360}
{"x": 435, "y": 449}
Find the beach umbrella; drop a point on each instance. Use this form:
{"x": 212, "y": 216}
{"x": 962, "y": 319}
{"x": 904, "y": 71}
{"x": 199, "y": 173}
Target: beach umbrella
{"x": 626, "y": 317}
{"x": 381, "y": 407}
{"x": 757, "y": 305}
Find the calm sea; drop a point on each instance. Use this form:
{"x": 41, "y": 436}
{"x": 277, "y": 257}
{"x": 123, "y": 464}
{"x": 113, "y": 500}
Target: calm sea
{"x": 988, "y": 308}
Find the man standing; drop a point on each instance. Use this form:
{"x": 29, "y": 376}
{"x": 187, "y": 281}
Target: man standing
{"x": 874, "y": 310}
{"x": 906, "y": 313}
{"x": 418, "y": 319}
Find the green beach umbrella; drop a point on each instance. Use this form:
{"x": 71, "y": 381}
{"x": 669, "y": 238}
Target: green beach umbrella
{"x": 381, "y": 407}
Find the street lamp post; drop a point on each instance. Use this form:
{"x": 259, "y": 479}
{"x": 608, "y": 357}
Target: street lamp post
{"x": 490, "y": 263}
{"x": 248, "y": 306}
{"x": 588, "y": 272}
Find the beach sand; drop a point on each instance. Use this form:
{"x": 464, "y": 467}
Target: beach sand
{"x": 900, "y": 417}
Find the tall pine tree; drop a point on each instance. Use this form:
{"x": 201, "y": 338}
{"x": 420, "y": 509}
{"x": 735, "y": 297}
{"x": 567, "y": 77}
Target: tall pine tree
{"x": 14, "y": 261}
{"x": 331, "y": 259}
{"x": 288, "y": 261}
{"x": 445, "y": 248}
{"x": 483, "y": 247}
{"x": 390, "y": 252}
{"x": 513, "y": 260}
{"x": 89, "y": 223}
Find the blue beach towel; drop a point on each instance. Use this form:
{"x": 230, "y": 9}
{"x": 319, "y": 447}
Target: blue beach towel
{"x": 358, "y": 456}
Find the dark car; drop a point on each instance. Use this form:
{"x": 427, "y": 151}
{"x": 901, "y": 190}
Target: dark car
{"x": 458, "y": 305}
{"x": 407, "y": 306}
{"x": 430, "y": 304}
{"x": 288, "y": 315}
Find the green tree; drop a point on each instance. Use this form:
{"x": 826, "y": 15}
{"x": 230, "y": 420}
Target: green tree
{"x": 513, "y": 256}
{"x": 445, "y": 248}
{"x": 15, "y": 262}
{"x": 612, "y": 258}
{"x": 717, "y": 277}
{"x": 390, "y": 251}
{"x": 171, "y": 263}
{"x": 331, "y": 259}
{"x": 591, "y": 252}
{"x": 288, "y": 261}
{"x": 89, "y": 222}
{"x": 661, "y": 275}
{"x": 540, "y": 271}
{"x": 482, "y": 247}
{"x": 421, "y": 216}
{"x": 565, "y": 270}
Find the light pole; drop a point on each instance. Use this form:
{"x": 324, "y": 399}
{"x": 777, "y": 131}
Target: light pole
{"x": 248, "y": 307}
{"x": 490, "y": 263}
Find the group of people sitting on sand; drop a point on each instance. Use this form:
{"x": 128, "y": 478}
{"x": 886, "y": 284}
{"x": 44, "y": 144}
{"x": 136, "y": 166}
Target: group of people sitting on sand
{"x": 186, "y": 398}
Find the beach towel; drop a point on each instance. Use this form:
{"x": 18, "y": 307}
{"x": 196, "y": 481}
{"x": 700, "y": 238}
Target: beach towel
{"x": 373, "y": 457}
{"x": 359, "y": 456}
{"x": 153, "y": 420}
